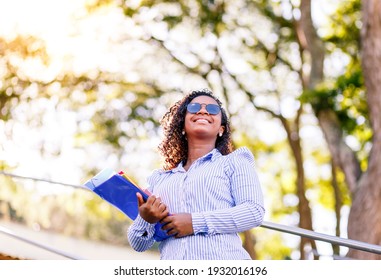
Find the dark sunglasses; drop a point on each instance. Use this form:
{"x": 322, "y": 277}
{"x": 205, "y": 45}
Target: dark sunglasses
{"x": 212, "y": 109}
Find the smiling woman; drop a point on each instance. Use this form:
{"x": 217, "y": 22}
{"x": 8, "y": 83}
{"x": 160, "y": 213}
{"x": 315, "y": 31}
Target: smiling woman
{"x": 211, "y": 191}
{"x": 174, "y": 148}
{"x": 202, "y": 127}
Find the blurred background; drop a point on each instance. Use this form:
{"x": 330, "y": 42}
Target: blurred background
{"x": 84, "y": 84}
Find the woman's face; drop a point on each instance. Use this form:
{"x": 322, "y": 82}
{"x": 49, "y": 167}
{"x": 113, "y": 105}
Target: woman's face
{"x": 203, "y": 124}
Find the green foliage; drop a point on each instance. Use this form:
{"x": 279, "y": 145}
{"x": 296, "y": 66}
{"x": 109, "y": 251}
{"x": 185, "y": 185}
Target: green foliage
{"x": 10, "y": 210}
{"x": 346, "y": 97}
{"x": 13, "y": 79}
{"x": 336, "y": 96}
{"x": 343, "y": 30}
{"x": 325, "y": 194}
{"x": 322, "y": 185}
{"x": 271, "y": 246}
{"x": 207, "y": 14}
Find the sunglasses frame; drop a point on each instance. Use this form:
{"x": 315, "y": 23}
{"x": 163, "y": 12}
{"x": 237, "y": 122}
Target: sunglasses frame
{"x": 208, "y": 108}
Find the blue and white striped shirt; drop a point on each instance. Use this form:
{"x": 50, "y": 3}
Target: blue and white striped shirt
{"x": 224, "y": 197}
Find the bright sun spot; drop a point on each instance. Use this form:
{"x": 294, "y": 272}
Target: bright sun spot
{"x": 44, "y": 18}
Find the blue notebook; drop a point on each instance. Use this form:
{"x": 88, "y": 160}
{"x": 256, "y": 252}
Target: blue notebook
{"x": 120, "y": 192}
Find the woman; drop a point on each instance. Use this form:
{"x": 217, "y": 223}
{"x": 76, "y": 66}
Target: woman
{"x": 211, "y": 192}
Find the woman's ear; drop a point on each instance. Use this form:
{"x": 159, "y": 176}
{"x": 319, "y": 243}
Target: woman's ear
{"x": 221, "y": 131}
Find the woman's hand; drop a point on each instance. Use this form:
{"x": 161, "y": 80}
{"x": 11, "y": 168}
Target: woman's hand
{"x": 179, "y": 225}
{"x": 153, "y": 210}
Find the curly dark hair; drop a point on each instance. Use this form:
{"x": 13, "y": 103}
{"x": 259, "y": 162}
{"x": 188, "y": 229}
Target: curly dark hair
{"x": 174, "y": 147}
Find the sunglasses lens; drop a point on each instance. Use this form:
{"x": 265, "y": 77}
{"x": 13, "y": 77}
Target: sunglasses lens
{"x": 213, "y": 109}
{"x": 193, "y": 108}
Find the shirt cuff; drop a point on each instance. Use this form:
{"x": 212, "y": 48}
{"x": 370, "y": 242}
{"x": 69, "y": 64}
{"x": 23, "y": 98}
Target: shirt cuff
{"x": 199, "y": 223}
{"x": 144, "y": 227}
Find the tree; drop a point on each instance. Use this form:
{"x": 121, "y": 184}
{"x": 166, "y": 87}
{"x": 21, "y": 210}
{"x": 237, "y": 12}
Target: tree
{"x": 295, "y": 27}
{"x": 339, "y": 120}
{"x": 222, "y": 31}
{"x": 360, "y": 167}
{"x": 365, "y": 217}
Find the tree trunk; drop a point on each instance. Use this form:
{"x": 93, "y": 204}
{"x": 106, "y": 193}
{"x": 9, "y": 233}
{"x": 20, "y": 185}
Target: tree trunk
{"x": 365, "y": 217}
{"x": 338, "y": 205}
{"x": 364, "y": 223}
{"x": 342, "y": 155}
{"x": 313, "y": 44}
{"x": 305, "y": 220}
{"x": 308, "y": 41}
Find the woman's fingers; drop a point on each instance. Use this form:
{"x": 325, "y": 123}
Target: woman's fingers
{"x": 140, "y": 199}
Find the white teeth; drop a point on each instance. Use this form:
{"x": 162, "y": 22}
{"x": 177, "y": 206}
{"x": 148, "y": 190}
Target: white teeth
{"x": 202, "y": 121}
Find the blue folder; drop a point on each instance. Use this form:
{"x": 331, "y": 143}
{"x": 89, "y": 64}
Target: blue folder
{"x": 121, "y": 193}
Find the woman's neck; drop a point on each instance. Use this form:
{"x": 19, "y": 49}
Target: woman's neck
{"x": 197, "y": 151}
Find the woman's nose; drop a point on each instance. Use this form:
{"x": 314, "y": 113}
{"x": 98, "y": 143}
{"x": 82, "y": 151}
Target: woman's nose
{"x": 203, "y": 110}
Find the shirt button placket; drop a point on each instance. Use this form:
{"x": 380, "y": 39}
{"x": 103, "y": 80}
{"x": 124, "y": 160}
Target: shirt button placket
{"x": 183, "y": 193}
{"x": 184, "y": 207}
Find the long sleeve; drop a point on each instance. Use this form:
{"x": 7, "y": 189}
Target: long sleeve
{"x": 140, "y": 234}
{"x": 248, "y": 211}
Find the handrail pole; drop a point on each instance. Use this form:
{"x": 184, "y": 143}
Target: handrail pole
{"x": 58, "y": 252}
{"x": 350, "y": 243}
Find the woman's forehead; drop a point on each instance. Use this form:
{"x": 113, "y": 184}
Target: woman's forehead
{"x": 204, "y": 99}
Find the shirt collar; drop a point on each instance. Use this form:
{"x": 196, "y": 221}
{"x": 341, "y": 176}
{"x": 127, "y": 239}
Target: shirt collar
{"x": 212, "y": 156}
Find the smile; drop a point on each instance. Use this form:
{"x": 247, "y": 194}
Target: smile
{"x": 202, "y": 121}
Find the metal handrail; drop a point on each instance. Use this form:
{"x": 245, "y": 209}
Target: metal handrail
{"x": 56, "y": 251}
{"x": 350, "y": 243}
{"x": 42, "y": 180}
